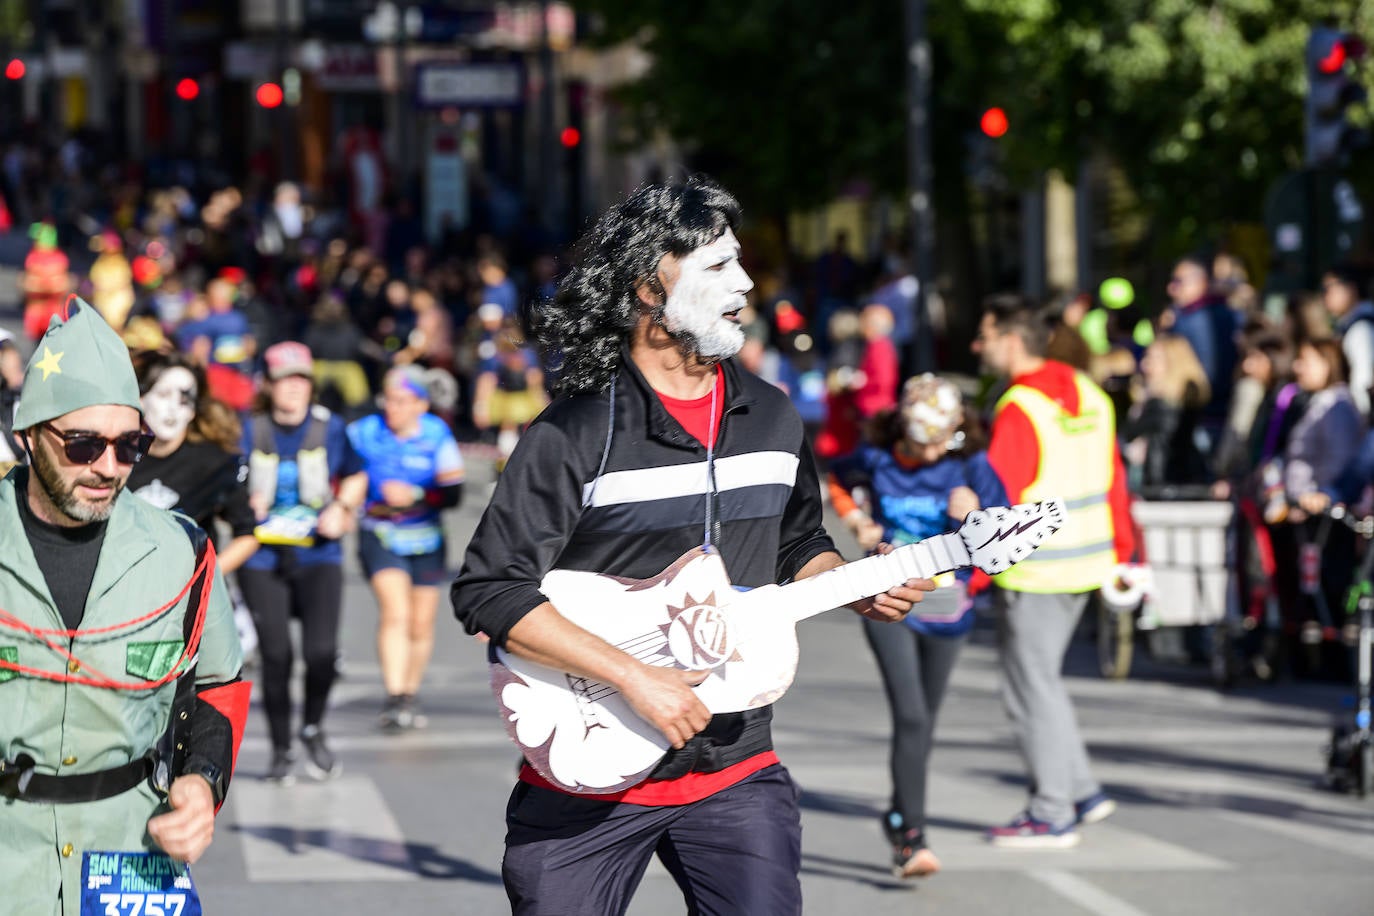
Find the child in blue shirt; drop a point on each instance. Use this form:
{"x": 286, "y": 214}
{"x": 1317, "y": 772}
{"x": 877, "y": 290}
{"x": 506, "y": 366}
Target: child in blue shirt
{"x": 925, "y": 471}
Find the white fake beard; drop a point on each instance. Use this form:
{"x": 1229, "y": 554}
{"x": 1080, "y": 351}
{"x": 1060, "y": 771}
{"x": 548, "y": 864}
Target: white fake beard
{"x": 170, "y": 405}
{"x": 695, "y": 311}
{"x": 712, "y": 339}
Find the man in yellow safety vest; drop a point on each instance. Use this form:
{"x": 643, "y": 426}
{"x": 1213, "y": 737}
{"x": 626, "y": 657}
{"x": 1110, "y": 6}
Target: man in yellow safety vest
{"x": 1053, "y": 434}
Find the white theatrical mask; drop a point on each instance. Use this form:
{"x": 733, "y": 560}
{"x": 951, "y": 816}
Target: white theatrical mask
{"x": 170, "y": 405}
{"x": 703, "y": 307}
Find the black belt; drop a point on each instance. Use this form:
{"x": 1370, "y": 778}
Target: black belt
{"x": 18, "y": 780}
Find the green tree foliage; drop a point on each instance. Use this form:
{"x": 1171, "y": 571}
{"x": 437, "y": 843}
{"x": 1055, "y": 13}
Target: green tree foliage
{"x": 785, "y": 101}
{"x": 1199, "y": 103}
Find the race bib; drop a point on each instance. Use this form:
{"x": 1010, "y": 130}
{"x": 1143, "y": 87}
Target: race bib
{"x": 410, "y": 540}
{"x": 136, "y": 884}
{"x": 294, "y": 527}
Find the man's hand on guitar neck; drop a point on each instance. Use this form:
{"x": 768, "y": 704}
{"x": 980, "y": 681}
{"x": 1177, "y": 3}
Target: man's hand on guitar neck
{"x": 888, "y": 607}
{"x": 663, "y": 697}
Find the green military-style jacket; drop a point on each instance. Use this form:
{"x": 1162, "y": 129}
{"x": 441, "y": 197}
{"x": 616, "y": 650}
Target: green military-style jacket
{"x": 145, "y": 561}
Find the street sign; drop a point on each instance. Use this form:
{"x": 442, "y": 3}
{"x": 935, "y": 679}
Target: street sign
{"x": 496, "y": 84}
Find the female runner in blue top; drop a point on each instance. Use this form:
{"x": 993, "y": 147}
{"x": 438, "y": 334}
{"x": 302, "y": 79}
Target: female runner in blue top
{"x": 924, "y": 473}
{"x": 414, "y": 470}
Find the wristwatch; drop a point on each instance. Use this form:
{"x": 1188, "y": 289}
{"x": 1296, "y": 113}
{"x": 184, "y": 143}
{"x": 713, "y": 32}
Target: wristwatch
{"x": 211, "y": 774}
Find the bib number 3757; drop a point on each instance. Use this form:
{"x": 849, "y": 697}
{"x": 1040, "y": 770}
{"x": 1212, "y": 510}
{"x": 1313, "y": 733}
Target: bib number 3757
{"x": 136, "y": 884}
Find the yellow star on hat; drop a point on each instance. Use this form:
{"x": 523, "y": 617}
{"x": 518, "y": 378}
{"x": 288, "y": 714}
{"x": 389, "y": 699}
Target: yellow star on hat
{"x": 50, "y": 363}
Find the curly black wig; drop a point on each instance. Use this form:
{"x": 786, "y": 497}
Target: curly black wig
{"x": 596, "y": 307}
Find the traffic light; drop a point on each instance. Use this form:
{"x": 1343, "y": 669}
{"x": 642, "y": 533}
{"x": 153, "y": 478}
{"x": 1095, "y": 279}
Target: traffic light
{"x": 15, "y": 69}
{"x": 993, "y": 123}
{"x": 1331, "y": 90}
{"x": 269, "y": 95}
{"x": 187, "y": 89}
{"x": 572, "y": 139}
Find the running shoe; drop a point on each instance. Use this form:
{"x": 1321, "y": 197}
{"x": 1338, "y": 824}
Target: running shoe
{"x": 1096, "y": 807}
{"x": 279, "y": 771}
{"x": 415, "y": 718}
{"x": 911, "y": 858}
{"x": 395, "y": 716}
{"x": 1026, "y": 832}
{"x": 320, "y": 761}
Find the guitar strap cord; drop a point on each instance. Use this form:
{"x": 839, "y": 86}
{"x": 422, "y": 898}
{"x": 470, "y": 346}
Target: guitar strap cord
{"x": 710, "y": 459}
{"x": 710, "y": 466}
{"x": 605, "y": 452}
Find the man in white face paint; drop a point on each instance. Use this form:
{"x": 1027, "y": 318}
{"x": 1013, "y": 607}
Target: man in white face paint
{"x": 705, "y": 292}
{"x": 659, "y": 443}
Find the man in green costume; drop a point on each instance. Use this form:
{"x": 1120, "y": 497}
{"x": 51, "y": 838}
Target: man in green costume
{"x": 120, "y": 699}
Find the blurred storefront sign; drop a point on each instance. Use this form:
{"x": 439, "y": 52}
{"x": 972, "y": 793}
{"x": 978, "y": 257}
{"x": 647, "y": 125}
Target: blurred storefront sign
{"x": 272, "y": 14}
{"x": 348, "y": 68}
{"x": 391, "y": 21}
{"x": 517, "y": 26}
{"x": 248, "y": 60}
{"x": 498, "y": 84}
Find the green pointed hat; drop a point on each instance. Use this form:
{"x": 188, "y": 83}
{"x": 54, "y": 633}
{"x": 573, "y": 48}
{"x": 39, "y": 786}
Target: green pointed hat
{"x": 80, "y": 362}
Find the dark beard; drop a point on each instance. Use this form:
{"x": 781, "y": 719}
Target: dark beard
{"x": 66, "y": 500}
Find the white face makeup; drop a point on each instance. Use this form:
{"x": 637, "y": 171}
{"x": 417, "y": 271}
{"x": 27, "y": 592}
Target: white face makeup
{"x": 704, "y": 304}
{"x": 170, "y": 405}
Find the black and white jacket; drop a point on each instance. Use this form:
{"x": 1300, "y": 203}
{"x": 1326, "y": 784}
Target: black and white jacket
{"x": 556, "y": 507}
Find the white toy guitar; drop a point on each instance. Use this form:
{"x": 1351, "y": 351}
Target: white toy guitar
{"x": 582, "y": 736}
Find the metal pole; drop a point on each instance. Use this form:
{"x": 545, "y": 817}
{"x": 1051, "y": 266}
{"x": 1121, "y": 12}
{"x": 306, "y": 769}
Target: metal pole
{"x": 281, "y": 115}
{"x": 1083, "y": 224}
{"x": 919, "y": 203}
{"x": 1033, "y": 241}
{"x": 548, "y": 185}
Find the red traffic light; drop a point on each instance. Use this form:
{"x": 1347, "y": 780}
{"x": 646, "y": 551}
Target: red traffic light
{"x": 187, "y": 89}
{"x": 269, "y": 95}
{"x": 1343, "y": 49}
{"x": 570, "y": 137}
{"x": 993, "y": 122}
{"x": 15, "y": 69}
{"x": 1334, "y": 59}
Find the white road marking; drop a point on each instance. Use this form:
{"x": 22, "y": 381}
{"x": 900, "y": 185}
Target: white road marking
{"x": 335, "y": 831}
{"x": 1083, "y": 893}
{"x": 1350, "y": 843}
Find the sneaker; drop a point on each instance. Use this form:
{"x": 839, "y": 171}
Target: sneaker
{"x": 320, "y": 761}
{"x": 911, "y": 858}
{"x": 1026, "y": 832}
{"x": 1096, "y": 807}
{"x": 279, "y": 770}
{"x": 416, "y": 719}
{"x": 395, "y": 716}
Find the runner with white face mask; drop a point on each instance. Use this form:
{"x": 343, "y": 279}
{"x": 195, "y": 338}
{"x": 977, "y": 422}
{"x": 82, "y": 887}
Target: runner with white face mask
{"x": 193, "y": 465}
{"x": 169, "y": 406}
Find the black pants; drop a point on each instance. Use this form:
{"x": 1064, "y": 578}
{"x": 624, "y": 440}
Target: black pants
{"x": 916, "y": 670}
{"x": 737, "y": 852}
{"x": 313, "y": 594}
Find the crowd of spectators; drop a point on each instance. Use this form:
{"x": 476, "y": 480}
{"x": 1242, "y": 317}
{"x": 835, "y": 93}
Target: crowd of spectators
{"x": 1214, "y": 391}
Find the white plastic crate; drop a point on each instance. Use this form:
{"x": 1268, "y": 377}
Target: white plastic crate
{"x": 1185, "y": 544}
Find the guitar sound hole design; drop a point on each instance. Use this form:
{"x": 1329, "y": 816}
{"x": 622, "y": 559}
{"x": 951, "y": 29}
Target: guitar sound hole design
{"x": 699, "y": 636}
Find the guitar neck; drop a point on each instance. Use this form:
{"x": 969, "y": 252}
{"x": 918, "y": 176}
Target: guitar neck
{"x": 876, "y": 574}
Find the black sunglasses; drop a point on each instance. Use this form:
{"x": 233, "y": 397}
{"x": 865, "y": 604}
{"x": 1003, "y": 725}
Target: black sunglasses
{"x": 86, "y": 448}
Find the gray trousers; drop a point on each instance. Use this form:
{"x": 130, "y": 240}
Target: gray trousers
{"x": 1033, "y": 633}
